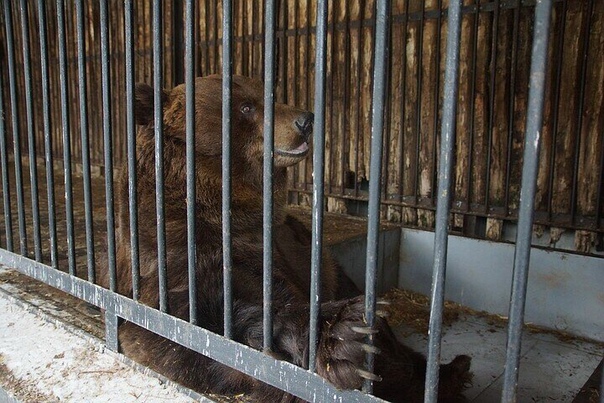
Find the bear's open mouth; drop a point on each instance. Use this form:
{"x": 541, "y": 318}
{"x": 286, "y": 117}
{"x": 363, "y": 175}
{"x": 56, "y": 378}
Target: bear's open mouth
{"x": 299, "y": 151}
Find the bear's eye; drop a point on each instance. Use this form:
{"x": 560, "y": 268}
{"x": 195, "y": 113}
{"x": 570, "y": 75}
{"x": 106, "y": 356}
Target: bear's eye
{"x": 247, "y": 108}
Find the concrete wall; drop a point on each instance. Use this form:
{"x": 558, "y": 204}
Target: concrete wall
{"x": 565, "y": 291}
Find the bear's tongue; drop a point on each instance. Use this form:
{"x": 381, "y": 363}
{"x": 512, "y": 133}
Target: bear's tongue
{"x": 301, "y": 148}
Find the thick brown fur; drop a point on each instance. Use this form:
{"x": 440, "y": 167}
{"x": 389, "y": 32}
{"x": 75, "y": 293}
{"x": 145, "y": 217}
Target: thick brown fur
{"x": 340, "y": 350}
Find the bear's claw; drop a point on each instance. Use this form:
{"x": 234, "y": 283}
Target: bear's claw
{"x": 363, "y": 329}
{"x": 370, "y": 349}
{"x": 368, "y": 375}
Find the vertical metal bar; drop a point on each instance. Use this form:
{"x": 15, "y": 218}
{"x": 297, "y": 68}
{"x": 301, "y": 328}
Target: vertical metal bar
{"x": 177, "y": 43}
{"x": 377, "y": 133}
{"x": 65, "y": 99}
{"x": 491, "y": 121}
{"x": 345, "y": 135}
{"x": 359, "y": 73}
{"x": 333, "y": 77}
{"x": 580, "y": 111}
{"x": 296, "y": 60}
{"x": 600, "y": 197}
{"x": 472, "y": 107}
{"x": 308, "y": 70}
{"x": 207, "y": 36}
{"x": 85, "y": 142}
{"x": 436, "y": 95}
{"x": 159, "y": 153}
{"x": 447, "y": 144}
{"x": 31, "y": 139}
{"x": 12, "y": 82}
{"x": 318, "y": 176}
{"x": 527, "y": 197}
{"x": 418, "y": 107}
{"x": 402, "y": 108}
{"x": 269, "y": 110}
{"x": 190, "y": 146}
{"x": 284, "y": 59}
{"x": 215, "y": 26}
{"x": 556, "y": 109}
{"x": 227, "y": 71}
{"x": 107, "y": 142}
{"x": 511, "y": 107}
{"x": 131, "y": 140}
{"x": 602, "y": 379}
{"x": 111, "y": 325}
{"x": 8, "y": 221}
{"x": 48, "y": 156}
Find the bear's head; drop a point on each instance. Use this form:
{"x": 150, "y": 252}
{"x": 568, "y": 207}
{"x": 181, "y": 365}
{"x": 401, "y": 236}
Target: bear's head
{"x": 292, "y": 127}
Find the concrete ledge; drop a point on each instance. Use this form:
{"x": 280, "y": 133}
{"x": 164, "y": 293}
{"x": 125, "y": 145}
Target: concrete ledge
{"x": 41, "y": 360}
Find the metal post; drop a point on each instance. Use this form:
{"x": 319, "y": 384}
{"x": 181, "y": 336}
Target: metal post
{"x": 527, "y": 197}
{"x": 66, "y": 136}
{"x": 227, "y": 70}
{"x": 318, "y": 181}
{"x": 159, "y": 153}
{"x": 377, "y": 134}
{"x": 108, "y": 144}
{"x": 85, "y": 144}
{"x": 269, "y": 110}
{"x": 131, "y": 140}
{"x": 48, "y": 157}
{"x": 190, "y": 151}
{"x": 447, "y": 144}
{"x": 31, "y": 139}
{"x": 12, "y": 83}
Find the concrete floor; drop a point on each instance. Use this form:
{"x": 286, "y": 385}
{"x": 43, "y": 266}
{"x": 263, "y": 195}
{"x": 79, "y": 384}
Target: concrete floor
{"x": 551, "y": 369}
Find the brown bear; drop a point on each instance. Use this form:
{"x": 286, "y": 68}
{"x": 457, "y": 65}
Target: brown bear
{"x": 341, "y": 348}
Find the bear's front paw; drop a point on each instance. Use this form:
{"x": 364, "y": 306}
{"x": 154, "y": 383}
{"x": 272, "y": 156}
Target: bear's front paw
{"x": 343, "y": 343}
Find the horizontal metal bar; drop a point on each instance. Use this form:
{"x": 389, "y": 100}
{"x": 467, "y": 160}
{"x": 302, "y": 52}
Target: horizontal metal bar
{"x": 281, "y": 374}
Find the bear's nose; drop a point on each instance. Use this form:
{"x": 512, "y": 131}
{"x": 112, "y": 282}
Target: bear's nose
{"x": 304, "y": 124}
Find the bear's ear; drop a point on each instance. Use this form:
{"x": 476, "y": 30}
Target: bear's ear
{"x": 143, "y": 103}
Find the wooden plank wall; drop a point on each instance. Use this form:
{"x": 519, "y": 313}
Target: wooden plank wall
{"x": 493, "y": 94}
